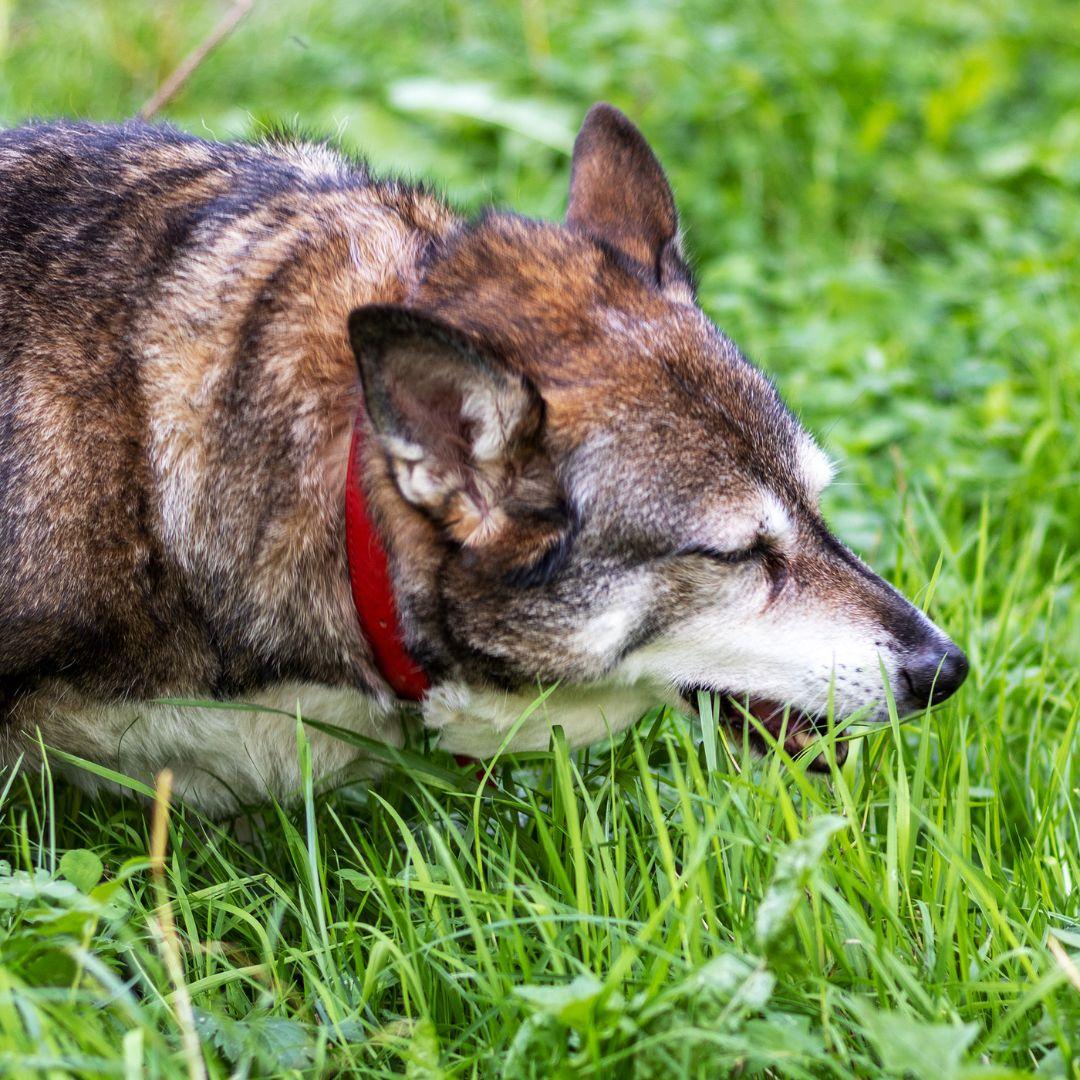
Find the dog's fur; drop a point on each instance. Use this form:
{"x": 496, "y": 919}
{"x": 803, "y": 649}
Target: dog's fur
{"x": 578, "y": 477}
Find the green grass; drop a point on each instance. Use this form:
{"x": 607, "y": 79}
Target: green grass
{"x": 882, "y": 200}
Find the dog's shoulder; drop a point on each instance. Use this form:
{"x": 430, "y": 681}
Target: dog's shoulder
{"x": 172, "y": 352}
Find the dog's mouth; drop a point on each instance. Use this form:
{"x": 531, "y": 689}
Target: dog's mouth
{"x": 800, "y": 730}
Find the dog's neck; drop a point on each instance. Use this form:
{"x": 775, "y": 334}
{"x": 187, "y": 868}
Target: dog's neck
{"x": 373, "y": 589}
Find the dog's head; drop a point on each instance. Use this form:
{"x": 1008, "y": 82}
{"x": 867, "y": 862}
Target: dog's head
{"x": 615, "y": 498}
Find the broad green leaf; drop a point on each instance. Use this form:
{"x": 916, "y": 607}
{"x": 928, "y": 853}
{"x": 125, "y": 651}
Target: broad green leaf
{"x": 795, "y": 867}
{"x": 908, "y": 1046}
{"x": 571, "y": 1004}
{"x": 82, "y": 868}
{"x": 737, "y": 979}
{"x": 550, "y": 124}
{"x": 422, "y": 1053}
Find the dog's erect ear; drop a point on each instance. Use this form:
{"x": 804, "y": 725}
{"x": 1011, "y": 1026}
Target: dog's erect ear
{"x": 620, "y": 195}
{"x": 462, "y": 434}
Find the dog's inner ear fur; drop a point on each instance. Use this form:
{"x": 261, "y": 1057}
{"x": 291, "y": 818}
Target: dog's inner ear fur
{"x": 620, "y": 196}
{"x": 462, "y": 435}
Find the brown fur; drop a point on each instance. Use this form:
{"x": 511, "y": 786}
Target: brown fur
{"x": 159, "y": 313}
{"x": 547, "y": 413}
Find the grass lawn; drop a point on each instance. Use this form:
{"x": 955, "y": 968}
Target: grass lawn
{"x": 882, "y": 202}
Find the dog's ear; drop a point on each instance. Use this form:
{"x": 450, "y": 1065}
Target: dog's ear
{"x": 620, "y": 195}
{"x": 463, "y": 436}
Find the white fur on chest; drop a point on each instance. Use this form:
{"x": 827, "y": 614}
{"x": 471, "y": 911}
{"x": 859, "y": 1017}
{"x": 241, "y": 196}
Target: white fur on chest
{"x": 224, "y": 757}
{"x": 476, "y": 722}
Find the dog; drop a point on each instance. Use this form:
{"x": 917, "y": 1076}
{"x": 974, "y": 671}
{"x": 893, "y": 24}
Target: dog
{"x": 278, "y": 433}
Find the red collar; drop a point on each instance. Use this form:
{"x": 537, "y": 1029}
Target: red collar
{"x": 373, "y": 594}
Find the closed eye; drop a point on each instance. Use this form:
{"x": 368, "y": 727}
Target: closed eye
{"x": 760, "y": 549}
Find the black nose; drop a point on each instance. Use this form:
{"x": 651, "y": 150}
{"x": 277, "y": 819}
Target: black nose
{"x": 934, "y": 673}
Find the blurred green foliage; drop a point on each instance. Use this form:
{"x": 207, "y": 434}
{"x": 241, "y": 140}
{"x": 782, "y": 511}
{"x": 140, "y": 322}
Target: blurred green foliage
{"x": 882, "y": 203}
{"x": 880, "y": 199}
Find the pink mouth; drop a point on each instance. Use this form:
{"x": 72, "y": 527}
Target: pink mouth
{"x": 800, "y": 733}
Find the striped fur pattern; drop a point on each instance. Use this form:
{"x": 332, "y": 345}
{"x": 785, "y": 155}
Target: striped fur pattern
{"x": 579, "y": 478}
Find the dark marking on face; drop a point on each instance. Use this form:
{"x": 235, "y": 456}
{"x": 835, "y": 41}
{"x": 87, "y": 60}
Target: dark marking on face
{"x": 546, "y": 417}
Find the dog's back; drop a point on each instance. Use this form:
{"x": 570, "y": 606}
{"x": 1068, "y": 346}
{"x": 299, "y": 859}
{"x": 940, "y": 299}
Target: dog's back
{"x": 90, "y": 216}
{"x": 121, "y": 247}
